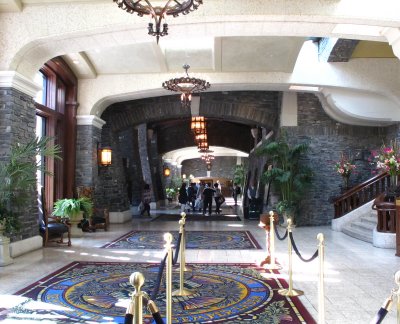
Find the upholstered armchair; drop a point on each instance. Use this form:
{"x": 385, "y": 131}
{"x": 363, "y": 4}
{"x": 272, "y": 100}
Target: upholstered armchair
{"x": 52, "y": 229}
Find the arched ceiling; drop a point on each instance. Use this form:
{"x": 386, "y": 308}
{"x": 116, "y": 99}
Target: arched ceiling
{"x": 180, "y": 155}
{"x": 246, "y": 45}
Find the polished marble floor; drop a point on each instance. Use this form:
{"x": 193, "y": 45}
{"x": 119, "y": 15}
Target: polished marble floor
{"x": 358, "y": 276}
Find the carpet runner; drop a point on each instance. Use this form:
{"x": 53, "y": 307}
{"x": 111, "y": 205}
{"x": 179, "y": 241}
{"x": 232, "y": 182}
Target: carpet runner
{"x": 215, "y": 240}
{"x": 98, "y": 292}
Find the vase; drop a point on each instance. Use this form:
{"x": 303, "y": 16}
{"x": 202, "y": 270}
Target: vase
{"x": 345, "y": 182}
{"x": 393, "y": 181}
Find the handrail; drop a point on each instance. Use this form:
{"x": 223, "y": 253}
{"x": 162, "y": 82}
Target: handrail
{"x": 361, "y": 194}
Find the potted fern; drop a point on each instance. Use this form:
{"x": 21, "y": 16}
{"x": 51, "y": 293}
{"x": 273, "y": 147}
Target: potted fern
{"x": 75, "y": 209}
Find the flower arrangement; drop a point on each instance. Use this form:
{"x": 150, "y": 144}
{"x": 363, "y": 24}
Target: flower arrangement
{"x": 344, "y": 166}
{"x": 388, "y": 158}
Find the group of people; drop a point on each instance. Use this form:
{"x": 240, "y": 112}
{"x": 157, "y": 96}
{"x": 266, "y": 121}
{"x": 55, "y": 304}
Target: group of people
{"x": 201, "y": 197}
{"x": 194, "y": 197}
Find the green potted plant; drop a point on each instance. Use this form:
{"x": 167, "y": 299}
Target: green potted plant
{"x": 18, "y": 179}
{"x": 287, "y": 174}
{"x": 75, "y": 209}
{"x": 171, "y": 194}
{"x": 238, "y": 174}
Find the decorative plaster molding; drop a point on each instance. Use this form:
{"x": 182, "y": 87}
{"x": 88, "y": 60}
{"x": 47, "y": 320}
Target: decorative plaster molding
{"x": 393, "y": 37}
{"x": 343, "y": 105}
{"x": 90, "y": 120}
{"x": 12, "y": 79}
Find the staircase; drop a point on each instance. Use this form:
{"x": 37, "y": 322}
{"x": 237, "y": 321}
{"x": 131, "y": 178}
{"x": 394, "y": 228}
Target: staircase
{"x": 362, "y": 227}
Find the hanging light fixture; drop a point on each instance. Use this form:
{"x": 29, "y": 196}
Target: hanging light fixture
{"x": 186, "y": 86}
{"x": 198, "y": 125}
{"x": 203, "y": 146}
{"x": 158, "y": 12}
{"x": 202, "y": 137}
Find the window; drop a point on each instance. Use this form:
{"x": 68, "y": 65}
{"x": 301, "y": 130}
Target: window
{"x": 55, "y": 117}
{"x": 40, "y": 131}
{"x": 41, "y": 80}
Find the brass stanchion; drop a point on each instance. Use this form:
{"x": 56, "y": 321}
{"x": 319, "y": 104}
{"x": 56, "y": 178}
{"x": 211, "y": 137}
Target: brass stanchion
{"x": 183, "y": 244}
{"x": 290, "y": 291}
{"x": 397, "y": 281}
{"x": 269, "y": 262}
{"x": 136, "y": 305}
{"x": 168, "y": 278}
{"x": 182, "y": 291}
{"x": 321, "y": 293}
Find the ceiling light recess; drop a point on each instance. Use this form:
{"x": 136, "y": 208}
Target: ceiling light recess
{"x": 158, "y": 12}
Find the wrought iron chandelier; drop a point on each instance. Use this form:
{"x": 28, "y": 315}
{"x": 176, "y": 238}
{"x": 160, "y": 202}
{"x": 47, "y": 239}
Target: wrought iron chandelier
{"x": 186, "y": 86}
{"x": 158, "y": 13}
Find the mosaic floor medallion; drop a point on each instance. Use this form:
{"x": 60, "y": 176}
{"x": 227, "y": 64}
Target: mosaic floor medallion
{"x": 98, "y": 292}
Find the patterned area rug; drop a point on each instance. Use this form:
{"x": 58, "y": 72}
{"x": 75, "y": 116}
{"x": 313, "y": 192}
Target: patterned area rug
{"x": 197, "y": 217}
{"x": 98, "y": 292}
{"x": 215, "y": 240}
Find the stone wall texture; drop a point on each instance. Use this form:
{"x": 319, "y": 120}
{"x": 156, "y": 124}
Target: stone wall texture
{"x": 17, "y": 125}
{"x": 328, "y": 139}
{"x": 111, "y": 187}
{"x": 222, "y": 166}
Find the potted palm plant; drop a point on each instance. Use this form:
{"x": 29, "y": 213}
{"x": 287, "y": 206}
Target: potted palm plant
{"x": 287, "y": 174}
{"x": 75, "y": 209}
{"x": 18, "y": 184}
{"x": 18, "y": 179}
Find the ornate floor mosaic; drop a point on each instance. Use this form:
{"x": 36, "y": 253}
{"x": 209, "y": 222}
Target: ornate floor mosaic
{"x": 216, "y": 240}
{"x": 98, "y": 292}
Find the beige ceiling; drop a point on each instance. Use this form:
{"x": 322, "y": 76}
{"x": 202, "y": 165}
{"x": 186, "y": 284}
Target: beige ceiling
{"x": 220, "y": 54}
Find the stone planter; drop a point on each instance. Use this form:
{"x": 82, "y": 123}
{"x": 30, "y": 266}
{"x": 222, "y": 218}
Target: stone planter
{"x": 5, "y": 258}
{"x": 75, "y": 230}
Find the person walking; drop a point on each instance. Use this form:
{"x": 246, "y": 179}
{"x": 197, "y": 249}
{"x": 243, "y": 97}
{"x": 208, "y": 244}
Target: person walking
{"x": 146, "y": 198}
{"x": 236, "y": 191}
{"x": 183, "y": 196}
{"x": 192, "y": 195}
{"x": 217, "y": 198}
{"x": 199, "y": 197}
{"x": 208, "y": 194}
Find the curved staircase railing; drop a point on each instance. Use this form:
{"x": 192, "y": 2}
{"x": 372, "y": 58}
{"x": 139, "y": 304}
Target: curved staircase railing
{"x": 361, "y": 194}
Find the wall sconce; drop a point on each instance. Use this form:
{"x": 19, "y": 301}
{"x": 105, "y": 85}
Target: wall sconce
{"x": 167, "y": 172}
{"x": 184, "y": 176}
{"x": 105, "y": 155}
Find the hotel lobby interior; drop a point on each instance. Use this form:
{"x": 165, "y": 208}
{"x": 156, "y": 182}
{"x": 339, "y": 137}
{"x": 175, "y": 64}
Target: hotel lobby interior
{"x": 194, "y": 92}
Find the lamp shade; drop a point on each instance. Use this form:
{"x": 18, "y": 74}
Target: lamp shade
{"x": 105, "y": 156}
{"x": 167, "y": 172}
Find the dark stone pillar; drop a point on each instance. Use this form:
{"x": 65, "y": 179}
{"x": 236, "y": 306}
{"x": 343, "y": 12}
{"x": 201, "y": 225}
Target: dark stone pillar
{"x": 18, "y": 125}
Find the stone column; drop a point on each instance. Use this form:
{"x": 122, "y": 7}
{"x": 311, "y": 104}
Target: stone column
{"x": 109, "y": 182}
{"x": 18, "y": 125}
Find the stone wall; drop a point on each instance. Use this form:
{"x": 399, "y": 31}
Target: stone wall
{"x": 88, "y": 138}
{"x": 222, "y": 166}
{"x": 111, "y": 189}
{"x": 327, "y": 139}
{"x": 18, "y": 125}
